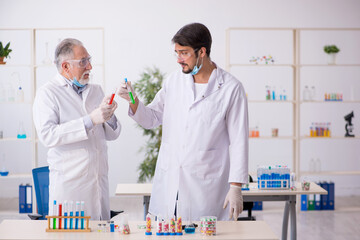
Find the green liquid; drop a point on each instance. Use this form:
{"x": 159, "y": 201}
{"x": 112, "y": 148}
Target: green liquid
{"x": 54, "y": 223}
{"x": 132, "y": 97}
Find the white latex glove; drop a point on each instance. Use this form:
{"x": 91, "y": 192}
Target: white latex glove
{"x": 124, "y": 89}
{"x": 104, "y": 112}
{"x": 235, "y": 198}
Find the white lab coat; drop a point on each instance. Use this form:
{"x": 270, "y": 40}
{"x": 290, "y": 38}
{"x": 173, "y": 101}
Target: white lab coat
{"x": 77, "y": 159}
{"x": 204, "y": 143}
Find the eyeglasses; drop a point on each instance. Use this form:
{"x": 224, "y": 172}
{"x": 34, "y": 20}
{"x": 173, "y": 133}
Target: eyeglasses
{"x": 183, "y": 54}
{"x": 82, "y": 63}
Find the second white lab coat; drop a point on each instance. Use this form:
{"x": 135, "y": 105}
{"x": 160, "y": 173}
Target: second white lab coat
{"x": 204, "y": 144}
{"x": 77, "y": 159}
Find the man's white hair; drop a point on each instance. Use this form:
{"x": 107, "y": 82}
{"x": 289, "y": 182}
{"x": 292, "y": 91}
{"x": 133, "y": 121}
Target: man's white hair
{"x": 64, "y": 51}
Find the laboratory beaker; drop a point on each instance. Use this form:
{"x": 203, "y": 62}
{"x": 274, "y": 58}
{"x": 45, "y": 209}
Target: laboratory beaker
{"x": 3, "y": 170}
{"x": 21, "y": 132}
{"x": 124, "y": 224}
{"x": 190, "y": 226}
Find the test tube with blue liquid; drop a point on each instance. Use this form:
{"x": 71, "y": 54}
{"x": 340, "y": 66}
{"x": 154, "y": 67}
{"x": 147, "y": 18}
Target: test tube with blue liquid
{"x": 65, "y": 213}
{"x": 71, "y": 211}
{"x": 77, "y": 214}
{"x": 82, "y": 213}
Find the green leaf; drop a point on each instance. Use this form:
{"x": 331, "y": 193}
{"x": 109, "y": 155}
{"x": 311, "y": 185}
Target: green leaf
{"x": 4, "y": 52}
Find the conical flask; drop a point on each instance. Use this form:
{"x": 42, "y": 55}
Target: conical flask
{"x": 21, "y": 132}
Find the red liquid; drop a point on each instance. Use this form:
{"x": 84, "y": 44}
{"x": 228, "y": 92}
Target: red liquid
{"x": 60, "y": 212}
{"x": 112, "y": 98}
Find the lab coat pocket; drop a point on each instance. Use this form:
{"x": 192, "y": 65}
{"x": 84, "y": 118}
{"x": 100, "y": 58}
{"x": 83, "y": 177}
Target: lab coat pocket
{"x": 211, "y": 111}
{"x": 75, "y": 163}
{"x": 208, "y": 164}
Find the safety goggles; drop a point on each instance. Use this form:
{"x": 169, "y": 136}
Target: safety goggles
{"x": 82, "y": 63}
{"x": 183, "y": 54}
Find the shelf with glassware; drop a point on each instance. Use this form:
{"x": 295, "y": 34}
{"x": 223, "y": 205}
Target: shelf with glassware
{"x": 16, "y": 176}
{"x": 31, "y": 59}
{"x": 338, "y": 84}
{"x": 239, "y": 51}
{"x": 27, "y": 139}
{"x": 329, "y": 173}
{"x": 329, "y": 138}
{"x": 273, "y": 138}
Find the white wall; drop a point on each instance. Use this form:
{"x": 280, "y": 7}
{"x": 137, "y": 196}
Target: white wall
{"x": 138, "y": 34}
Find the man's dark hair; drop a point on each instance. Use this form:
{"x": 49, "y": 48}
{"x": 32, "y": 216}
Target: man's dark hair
{"x": 195, "y": 35}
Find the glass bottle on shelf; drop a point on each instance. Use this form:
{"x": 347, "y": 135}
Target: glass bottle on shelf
{"x": 281, "y": 96}
{"x": 267, "y": 92}
{"x": 21, "y": 132}
{"x": 313, "y": 93}
{"x": 312, "y": 165}
{"x": 317, "y": 165}
{"x": 306, "y": 94}
{"x": 284, "y": 94}
{"x": 257, "y": 132}
{"x": 47, "y": 60}
{"x": 20, "y": 95}
{"x": 2, "y": 92}
{"x": 273, "y": 93}
{"x": 10, "y": 93}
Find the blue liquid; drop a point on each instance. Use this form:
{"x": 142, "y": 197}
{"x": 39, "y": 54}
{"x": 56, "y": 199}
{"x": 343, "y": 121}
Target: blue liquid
{"x": 189, "y": 230}
{"x": 65, "y": 221}
{"x": 77, "y": 220}
{"x": 71, "y": 220}
{"x": 82, "y": 220}
{"x": 21, "y": 136}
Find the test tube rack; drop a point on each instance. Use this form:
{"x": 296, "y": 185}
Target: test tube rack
{"x": 86, "y": 227}
{"x": 275, "y": 184}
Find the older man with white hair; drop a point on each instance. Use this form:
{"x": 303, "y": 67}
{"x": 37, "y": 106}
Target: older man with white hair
{"x": 74, "y": 120}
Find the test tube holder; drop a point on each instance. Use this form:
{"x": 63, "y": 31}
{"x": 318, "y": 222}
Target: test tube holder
{"x": 86, "y": 229}
{"x": 282, "y": 182}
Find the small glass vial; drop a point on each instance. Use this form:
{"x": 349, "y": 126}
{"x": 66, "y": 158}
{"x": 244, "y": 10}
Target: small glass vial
{"x": 112, "y": 226}
{"x": 99, "y": 227}
{"x": 104, "y": 228}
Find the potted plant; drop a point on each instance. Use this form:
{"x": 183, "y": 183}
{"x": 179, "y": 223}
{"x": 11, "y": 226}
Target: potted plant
{"x": 4, "y": 52}
{"x": 146, "y": 88}
{"x": 331, "y": 50}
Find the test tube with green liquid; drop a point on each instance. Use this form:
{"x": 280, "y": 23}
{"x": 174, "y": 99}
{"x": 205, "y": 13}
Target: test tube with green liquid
{"x": 54, "y": 214}
{"x": 130, "y": 93}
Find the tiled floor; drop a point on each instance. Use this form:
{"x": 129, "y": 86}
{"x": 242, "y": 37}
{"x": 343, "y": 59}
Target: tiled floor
{"x": 343, "y": 223}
